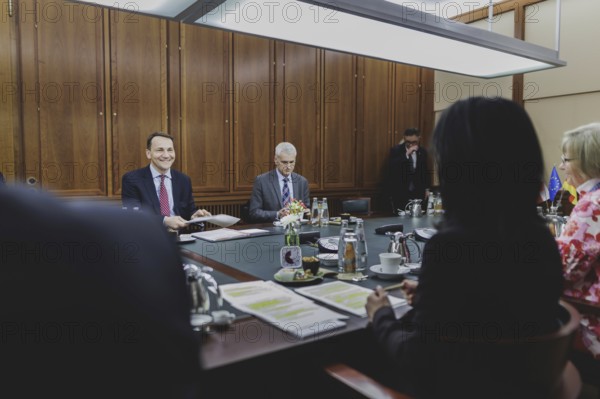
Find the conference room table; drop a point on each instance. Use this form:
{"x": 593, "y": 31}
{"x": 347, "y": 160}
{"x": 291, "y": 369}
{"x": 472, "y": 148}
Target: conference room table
{"x": 251, "y": 346}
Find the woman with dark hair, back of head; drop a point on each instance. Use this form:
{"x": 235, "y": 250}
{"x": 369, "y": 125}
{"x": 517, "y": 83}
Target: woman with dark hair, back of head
{"x": 491, "y": 272}
{"x": 489, "y": 163}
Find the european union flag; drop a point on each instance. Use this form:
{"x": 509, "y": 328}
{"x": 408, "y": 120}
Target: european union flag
{"x": 554, "y": 184}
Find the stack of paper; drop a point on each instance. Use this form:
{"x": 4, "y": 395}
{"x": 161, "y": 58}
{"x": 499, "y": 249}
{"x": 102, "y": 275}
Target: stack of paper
{"x": 220, "y": 220}
{"x": 282, "y": 308}
{"x": 349, "y": 297}
{"x": 228, "y": 234}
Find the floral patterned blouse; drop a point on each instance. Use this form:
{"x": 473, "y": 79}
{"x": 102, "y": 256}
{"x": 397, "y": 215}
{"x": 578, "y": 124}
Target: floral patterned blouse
{"x": 579, "y": 246}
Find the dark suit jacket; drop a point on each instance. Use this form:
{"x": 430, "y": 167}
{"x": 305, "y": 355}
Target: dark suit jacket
{"x": 266, "y": 195}
{"x": 95, "y": 302}
{"x": 138, "y": 190}
{"x": 473, "y": 285}
{"x": 400, "y": 175}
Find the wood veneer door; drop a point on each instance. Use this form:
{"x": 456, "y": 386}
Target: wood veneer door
{"x": 253, "y": 115}
{"x": 71, "y": 100}
{"x": 206, "y": 94}
{"x": 407, "y": 100}
{"x": 375, "y": 120}
{"x": 299, "y": 90}
{"x": 9, "y": 115}
{"x": 138, "y": 88}
{"x": 339, "y": 130}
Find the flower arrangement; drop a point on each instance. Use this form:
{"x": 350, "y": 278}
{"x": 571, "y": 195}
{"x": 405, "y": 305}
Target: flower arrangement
{"x": 295, "y": 210}
{"x": 296, "y": 207}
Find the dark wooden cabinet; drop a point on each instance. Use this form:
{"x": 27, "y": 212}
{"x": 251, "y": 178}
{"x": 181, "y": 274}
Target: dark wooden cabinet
{"x": 253, "y": 108}
{"x": 138, "y": 89}
{"x": 63, "y": 88}
{"x": 375, "y": 118}
{"x": 339, "y": 114}
{"x": 407, "y": 99}
{"x": 10, "y": 145}
{"x": 299, "y": 116}
{"x": 206, "y": 94}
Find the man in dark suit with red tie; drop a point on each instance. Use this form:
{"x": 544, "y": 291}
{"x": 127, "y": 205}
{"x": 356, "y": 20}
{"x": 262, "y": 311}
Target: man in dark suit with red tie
{"x": 408, "y": 176}
{"x": 159, "y": 189}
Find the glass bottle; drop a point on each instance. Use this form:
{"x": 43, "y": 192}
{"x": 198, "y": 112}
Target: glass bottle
{"x": 350, "y": 253}
{"x": 361, "y": 245}
{"x": 324, "y": 213}
{"x": 314, "y": 212}
{"x": 430, "y": 202}
{"x": 437, "y": 205}
{"x": 343, "y": 230}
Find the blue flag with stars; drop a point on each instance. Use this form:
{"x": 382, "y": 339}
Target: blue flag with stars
{"x": 554, "y": 184}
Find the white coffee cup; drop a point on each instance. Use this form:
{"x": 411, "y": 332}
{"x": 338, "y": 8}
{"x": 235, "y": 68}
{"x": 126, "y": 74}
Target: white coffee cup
{"x": 390, "y": 262}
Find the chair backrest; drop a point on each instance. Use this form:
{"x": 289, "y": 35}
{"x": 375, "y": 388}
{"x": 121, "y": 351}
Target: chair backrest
{"x": 357, "y": 206}
{"x": 524, "y": 367}
{"x": 245, "y": 212}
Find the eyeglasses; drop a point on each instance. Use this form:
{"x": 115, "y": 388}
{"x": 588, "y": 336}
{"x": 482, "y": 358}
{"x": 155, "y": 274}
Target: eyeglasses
{"x": 287, "y": 162}
{"x": 563, "y": 159}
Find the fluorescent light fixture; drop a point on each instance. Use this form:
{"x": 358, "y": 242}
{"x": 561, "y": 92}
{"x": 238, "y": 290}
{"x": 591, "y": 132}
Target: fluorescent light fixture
{"x": 379, "y": 29}
{"x": 161, "y": 8}
{"x": 373, "y": 28}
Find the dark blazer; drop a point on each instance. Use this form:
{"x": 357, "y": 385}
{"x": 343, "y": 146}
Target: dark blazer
{"x": 401, "y": 174}
{"x": 472, "y": 285}
{"x": 96, "y": 303}
{"x": 266, "y": 201}
{"x": 138, "y": 190}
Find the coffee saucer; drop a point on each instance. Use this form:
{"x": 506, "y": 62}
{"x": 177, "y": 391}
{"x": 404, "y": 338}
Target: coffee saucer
{"x": 183, "y": 238}
{"x": 402, "y": 270}
{"x": 199, "y": 320}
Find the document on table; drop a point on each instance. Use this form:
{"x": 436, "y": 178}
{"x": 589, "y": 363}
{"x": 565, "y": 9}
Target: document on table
{"x": 228, "y": 234}
{"x": 282, "y": 308}
{"x": 220, "y": 220}
{"x": 349, "y": 297}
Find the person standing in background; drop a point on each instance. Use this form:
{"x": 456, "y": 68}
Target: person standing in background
{"x": 408, "y": 177}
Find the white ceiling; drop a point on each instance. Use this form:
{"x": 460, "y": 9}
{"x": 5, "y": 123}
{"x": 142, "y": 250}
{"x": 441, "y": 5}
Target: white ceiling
{"x": 444, "y": 8}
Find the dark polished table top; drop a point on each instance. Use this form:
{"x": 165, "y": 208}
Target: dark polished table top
{"x": 257, "y": 258}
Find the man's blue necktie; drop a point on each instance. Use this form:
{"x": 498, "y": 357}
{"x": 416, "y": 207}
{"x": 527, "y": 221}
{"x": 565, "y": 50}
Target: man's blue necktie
{"x": 285, "y": 193}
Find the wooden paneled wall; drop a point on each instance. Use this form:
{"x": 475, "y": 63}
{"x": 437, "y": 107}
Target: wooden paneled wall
{"x": 91, "y": 84}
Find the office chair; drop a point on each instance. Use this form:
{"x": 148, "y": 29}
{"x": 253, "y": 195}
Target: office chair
{"x": 583, "y": 360}
{"x": 245, "y": 212}
{"x": 357, "y": 206}
{"x": 541, "y": 363}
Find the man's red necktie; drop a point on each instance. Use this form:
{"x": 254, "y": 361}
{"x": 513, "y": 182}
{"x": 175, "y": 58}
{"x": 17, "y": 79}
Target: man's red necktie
{"x": 163, "y": 198}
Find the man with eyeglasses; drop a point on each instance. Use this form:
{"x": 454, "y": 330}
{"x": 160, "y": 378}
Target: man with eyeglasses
{"x": 273, "y": 190}
{"x": 408, "y": 177}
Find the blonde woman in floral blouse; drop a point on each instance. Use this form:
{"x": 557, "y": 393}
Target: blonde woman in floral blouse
{"x": 579, "y": 243}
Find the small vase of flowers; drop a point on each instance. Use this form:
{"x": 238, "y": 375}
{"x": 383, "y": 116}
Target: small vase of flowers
{"x": 291, "y": 222}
